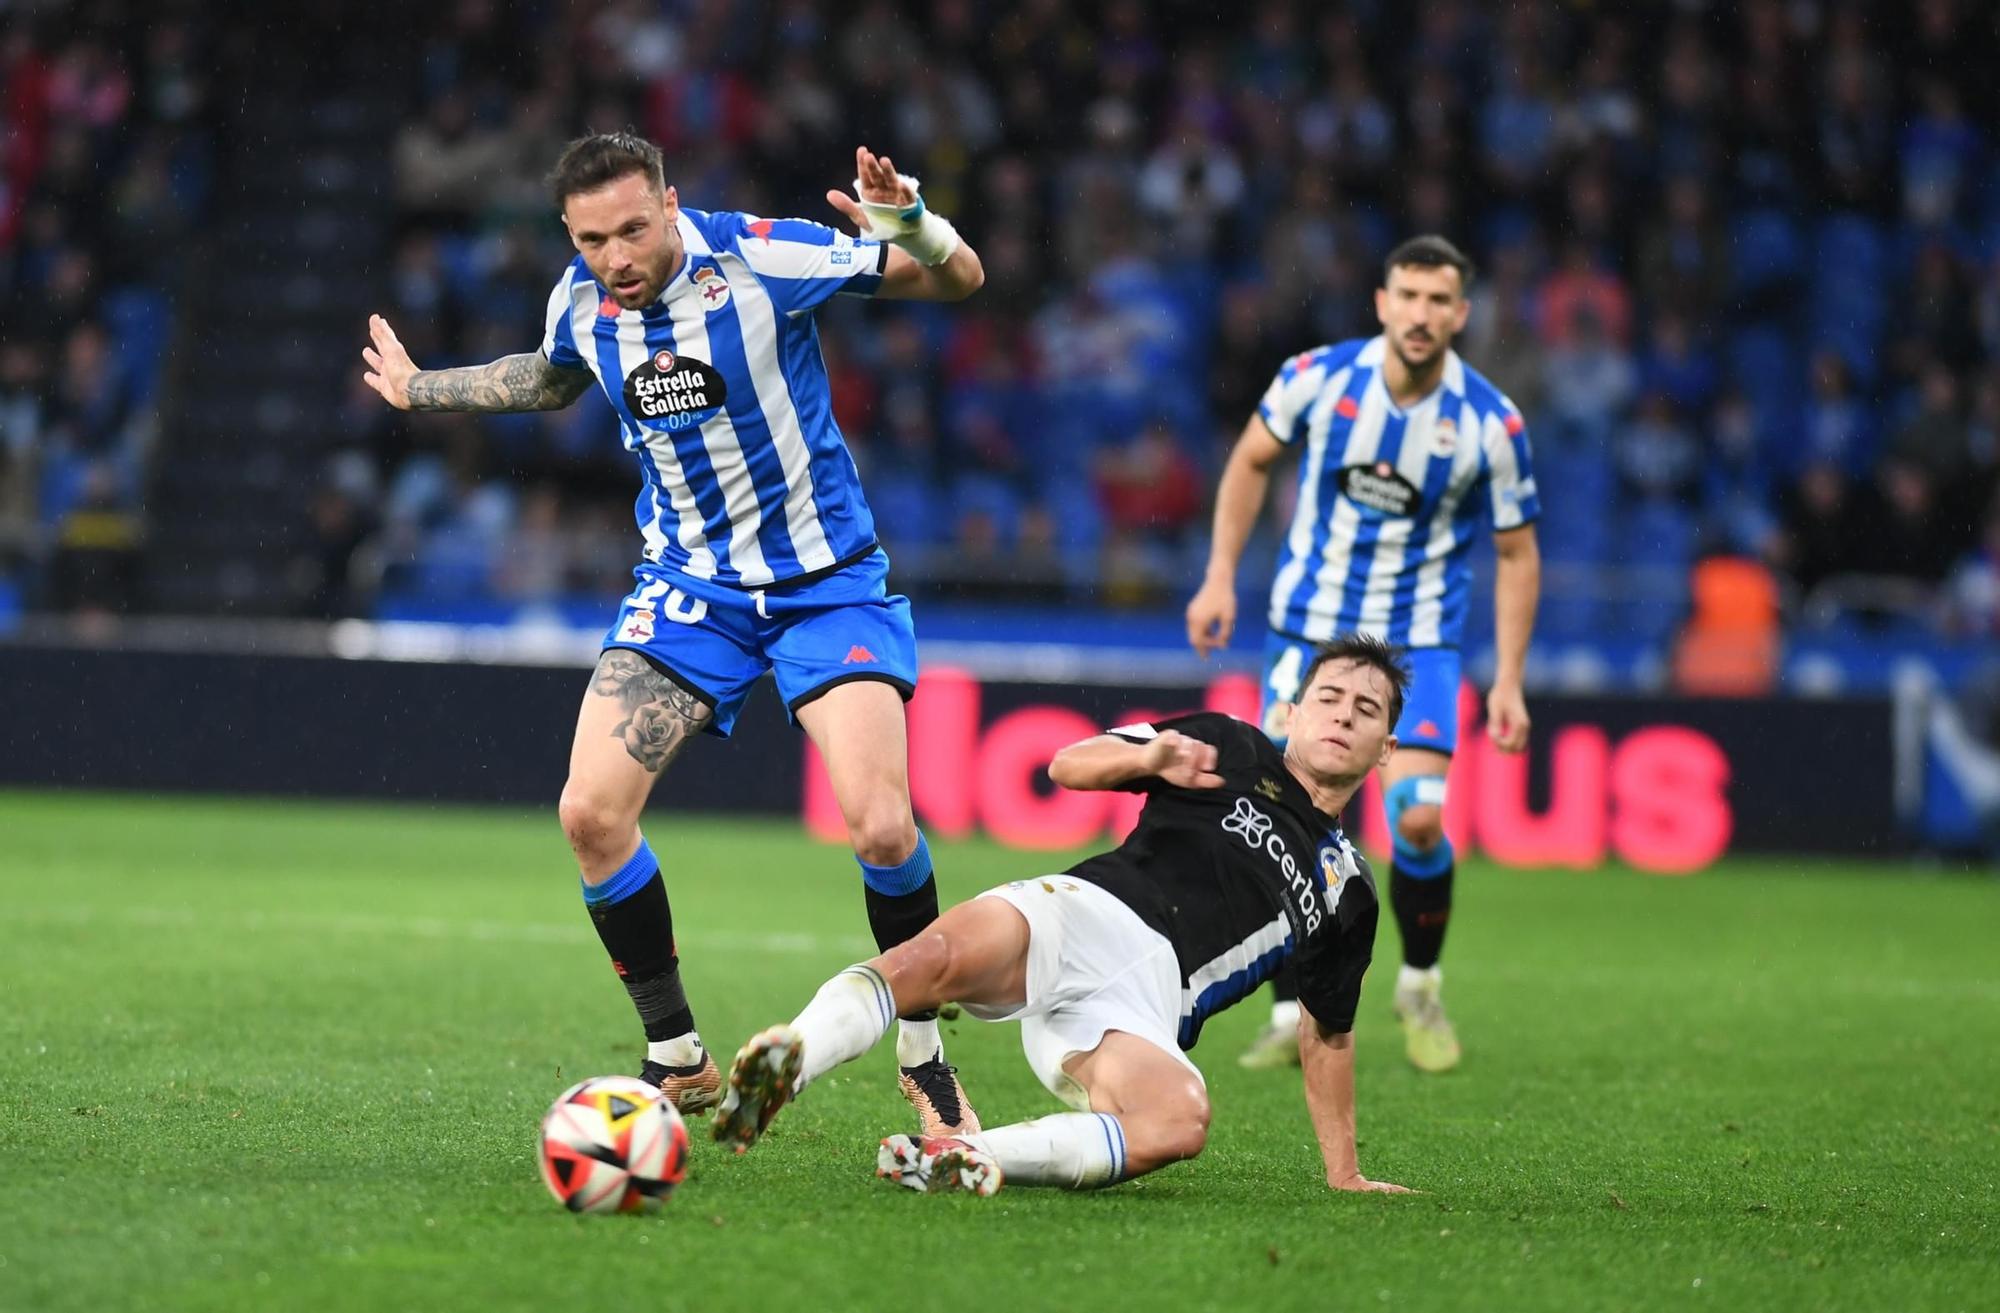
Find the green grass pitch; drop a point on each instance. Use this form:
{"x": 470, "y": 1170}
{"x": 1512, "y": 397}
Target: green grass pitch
{"x": 291, "y": 1056}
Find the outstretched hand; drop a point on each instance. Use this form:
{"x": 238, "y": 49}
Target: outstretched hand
{"x": 1185, "y": 763}
{"x": 389, "y": 366}
{"x": 878, "y": 183}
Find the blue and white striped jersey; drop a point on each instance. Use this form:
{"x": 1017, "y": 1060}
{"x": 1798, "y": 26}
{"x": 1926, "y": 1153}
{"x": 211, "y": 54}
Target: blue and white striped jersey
{"x": 721, "y": 393}
{"x": 1390, "y": 500}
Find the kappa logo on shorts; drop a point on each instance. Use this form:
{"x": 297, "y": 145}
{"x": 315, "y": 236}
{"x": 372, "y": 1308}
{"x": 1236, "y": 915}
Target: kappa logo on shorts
{"x": 858, "y": 656}
{"x": 1426, "y": 729}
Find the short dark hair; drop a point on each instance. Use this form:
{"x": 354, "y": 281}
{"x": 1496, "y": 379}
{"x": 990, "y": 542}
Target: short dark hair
{"x": 1364, "y": 650}
{"x": 1430, "y": 252}
{"x": 603, "y": 158}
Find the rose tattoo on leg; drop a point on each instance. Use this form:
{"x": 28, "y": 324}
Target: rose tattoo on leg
{"x": 661, "y": 715}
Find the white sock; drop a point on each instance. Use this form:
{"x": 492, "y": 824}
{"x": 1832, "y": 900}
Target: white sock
{"x": 843, "y": 1021}
{"x": 680, "y": 1051}
{"x": 1285, "y": 1014}
{"x": 1074, "y": 1150}
{"x": 917, "y": 1042}
{"x": 1410, "y": 979}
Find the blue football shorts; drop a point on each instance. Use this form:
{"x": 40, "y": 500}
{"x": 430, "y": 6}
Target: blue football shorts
{"x": 717, "y": 641}
{"x": 1430, "y": 708}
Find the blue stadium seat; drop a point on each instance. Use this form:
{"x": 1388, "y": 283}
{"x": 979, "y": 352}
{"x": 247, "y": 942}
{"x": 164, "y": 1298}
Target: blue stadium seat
{"x": 1079, "y": 519}
{"x": 1657, "y": 534}
{"x": 1849, "y": 307}
{"x": 1576, "y": 521}
{"x": 1768, "y": 251}
{"x": 909, "y": 509}
{"x": 137, "y": 318}
{"x": 1766, "y": 364}
{"x": 985, "y": 494}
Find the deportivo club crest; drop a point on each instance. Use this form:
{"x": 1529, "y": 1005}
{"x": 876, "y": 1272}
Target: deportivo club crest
{"x": 711, "y": 287}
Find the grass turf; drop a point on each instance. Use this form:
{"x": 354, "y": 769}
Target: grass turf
{"x": 264, "y": 1055}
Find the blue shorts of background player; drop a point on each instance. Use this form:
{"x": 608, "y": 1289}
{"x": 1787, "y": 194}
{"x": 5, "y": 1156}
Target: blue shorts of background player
{"x": 1430, "y": 710}
{"x": 717, "y": 641}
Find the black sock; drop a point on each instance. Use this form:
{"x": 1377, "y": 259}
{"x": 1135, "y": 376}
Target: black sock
{"x": 638, "y": 933}
{"x": 1423, "y": 907}
{"x": 1285, "y": 985}
{"x": 896, "y": 918}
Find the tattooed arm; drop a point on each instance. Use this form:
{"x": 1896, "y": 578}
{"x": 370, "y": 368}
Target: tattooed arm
{"x": 524, "y": 382}
{"x": 511, "y": 383}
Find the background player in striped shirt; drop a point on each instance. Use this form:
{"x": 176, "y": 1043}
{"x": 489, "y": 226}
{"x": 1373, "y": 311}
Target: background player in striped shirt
{"x": 1409, "y": 454}
{"x": 760, "y": 552}
{"x": 1236, "y": 865}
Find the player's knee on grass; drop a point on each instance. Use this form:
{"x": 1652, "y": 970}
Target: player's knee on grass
{"x": 600, "y": 833}
{"x": 1168, "y": 1129}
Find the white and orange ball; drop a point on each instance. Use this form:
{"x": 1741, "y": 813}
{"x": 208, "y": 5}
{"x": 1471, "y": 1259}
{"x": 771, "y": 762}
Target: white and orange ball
{"x": 612, "y": 1144}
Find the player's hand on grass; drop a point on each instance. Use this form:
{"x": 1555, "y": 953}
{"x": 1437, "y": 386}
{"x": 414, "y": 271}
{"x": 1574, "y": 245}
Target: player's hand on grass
{"x": 389, "y": 366}
{"x": 877, "y": 182}
{"x": 1211, "y": 617}
{"x": 1185, "y": 763}
{"x": 1359, "y": 1184}
{"x": 1507, "y": 717}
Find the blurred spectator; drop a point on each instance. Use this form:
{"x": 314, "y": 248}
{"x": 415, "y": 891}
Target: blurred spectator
{"x": 1822, "y": 530}
{"x": 1657, "y": 457}
{"x": 447, "y": 163}
{"x": 1678, "y": 367}
{"x": 1581, "y": 286}
{"x": 1838, "y": 428}
{"x": 1683, "y": 259}
{"x": 1940, "y": 150}
{"x": 1150, "y": 487}
{"x": 1909, "y": 539}
{"x": 1935, "y": 441}
{"x": 1934, "y": 318}
{"x": 1973, "y": 594}
{"x": 22, "y": 367}
{"x": 1587, "y": 380}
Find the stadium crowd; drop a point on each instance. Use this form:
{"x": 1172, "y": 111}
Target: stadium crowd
{"x": 1740, "y": 268}
{"x": 107, "y": 164}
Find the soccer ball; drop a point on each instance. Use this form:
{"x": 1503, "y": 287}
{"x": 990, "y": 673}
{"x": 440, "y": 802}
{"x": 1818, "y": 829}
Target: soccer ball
{"x": 613, "y": 1144}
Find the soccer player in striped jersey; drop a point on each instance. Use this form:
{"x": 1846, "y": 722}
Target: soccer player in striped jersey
{"x": 1408, "y": 455}
{"x": 760, "y": 552}
{"x": 1236, "y": 865}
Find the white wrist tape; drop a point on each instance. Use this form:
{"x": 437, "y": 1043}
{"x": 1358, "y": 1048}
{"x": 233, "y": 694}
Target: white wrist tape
{"x": 929, "y": 238}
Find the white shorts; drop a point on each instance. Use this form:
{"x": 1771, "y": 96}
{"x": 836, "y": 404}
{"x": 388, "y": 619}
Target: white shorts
{"x": 1093, "y": 966}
